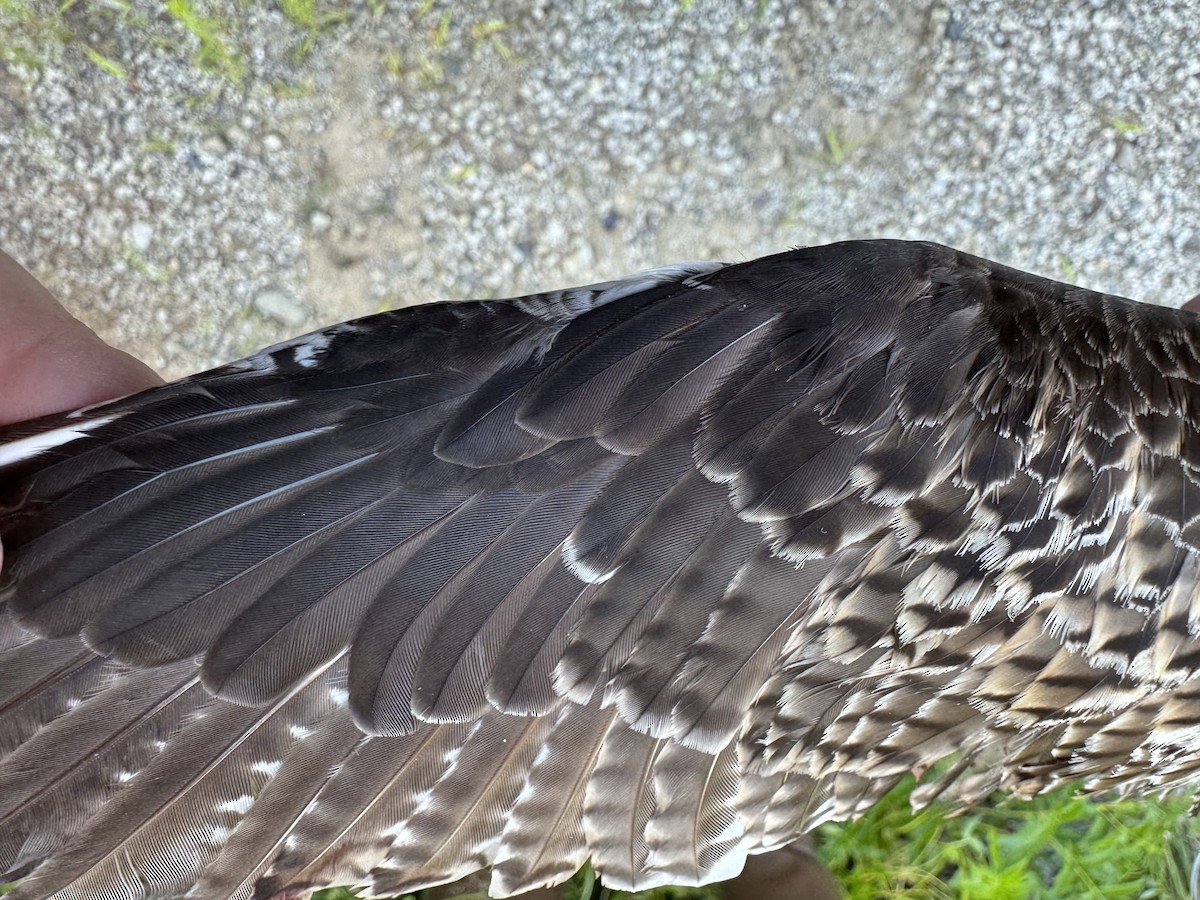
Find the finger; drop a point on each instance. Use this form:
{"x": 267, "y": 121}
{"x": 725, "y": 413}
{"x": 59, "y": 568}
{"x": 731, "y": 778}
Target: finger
{"x": 50, "y": 361}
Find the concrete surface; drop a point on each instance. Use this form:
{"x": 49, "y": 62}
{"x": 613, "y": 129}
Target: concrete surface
{"x": 414, "y": 151}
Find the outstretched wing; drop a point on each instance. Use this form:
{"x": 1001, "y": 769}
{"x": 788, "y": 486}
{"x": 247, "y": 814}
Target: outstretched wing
{"x": 606, "y": 573}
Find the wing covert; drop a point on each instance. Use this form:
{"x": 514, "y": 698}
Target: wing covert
{"x": 790, "y": 528}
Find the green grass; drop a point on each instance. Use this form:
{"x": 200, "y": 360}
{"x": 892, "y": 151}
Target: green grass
{"x": 447, "y": 34}
{"x": 835, "y": 150}
{"x": 313, "y": 19}
{"x": 1126, "y": 127}
{"x": 214, "y": 53}
{"x": 35, "y": 34}
{"x": 306, "y": 14}
{"x": 158, "y": 144}
{"x": 139, "y": 264}
{"x": 1059, "y": 845}
{"x": 111, "y": 66}
{"x": 29, "y": 34}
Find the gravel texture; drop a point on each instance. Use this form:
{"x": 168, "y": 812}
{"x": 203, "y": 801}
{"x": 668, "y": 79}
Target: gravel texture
{"x": 193, "y": 201}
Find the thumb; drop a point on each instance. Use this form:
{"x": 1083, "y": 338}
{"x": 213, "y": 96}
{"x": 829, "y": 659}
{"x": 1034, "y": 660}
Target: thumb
{"x": 50, "y": 361}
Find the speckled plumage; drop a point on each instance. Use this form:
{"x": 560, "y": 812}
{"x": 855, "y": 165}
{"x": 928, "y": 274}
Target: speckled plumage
{"x": 660, "y": 573}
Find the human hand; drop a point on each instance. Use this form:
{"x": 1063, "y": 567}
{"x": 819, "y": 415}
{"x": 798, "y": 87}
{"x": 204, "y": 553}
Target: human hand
{"x": 50, "y": 361}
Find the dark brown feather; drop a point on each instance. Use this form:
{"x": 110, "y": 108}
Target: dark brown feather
{"x": 656, "y": 572}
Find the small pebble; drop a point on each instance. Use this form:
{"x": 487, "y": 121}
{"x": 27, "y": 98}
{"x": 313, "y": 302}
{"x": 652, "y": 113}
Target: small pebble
{"x": 282, "y": 307}
{"x": 141, "y": 235}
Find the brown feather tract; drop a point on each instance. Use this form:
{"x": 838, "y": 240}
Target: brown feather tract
{"x": 656, "y": 573}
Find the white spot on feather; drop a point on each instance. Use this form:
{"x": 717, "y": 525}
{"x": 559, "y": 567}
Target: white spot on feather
{"x": 241, "y": 805}
{"x": 307, "y": 350}
{"x": 581, "y": 570}
{"x": 450, "y": 757}
{"x": 543, "y": 754}
{"x": 308, "y": 354}
{"x": 266, "y": 767}
{"x": 399, "y": 834}
{"x": 486, "y": 848}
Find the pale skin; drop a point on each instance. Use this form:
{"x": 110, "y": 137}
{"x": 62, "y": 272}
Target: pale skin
{"x": 49, "y": 360}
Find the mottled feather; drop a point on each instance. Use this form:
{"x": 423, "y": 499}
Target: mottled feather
{"x": 656, "y": 572}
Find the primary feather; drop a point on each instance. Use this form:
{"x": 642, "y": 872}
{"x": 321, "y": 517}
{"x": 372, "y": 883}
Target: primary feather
{"x": 658, "y": 572}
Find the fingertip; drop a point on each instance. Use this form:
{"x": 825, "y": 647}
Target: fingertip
{"x": 49, "y": 360}
{"x": 66, "y": 370}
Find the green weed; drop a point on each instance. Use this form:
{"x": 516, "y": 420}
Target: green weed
{"x": 1126, "y": 127}
{"x": 1067, "y": 268}
{"x": 111, "y": 66}
{"x": 308, "y": 16}
{"x": 213, "y": 54}
{"x": 836, "y": 150}
{"x": 1059, "y": 845}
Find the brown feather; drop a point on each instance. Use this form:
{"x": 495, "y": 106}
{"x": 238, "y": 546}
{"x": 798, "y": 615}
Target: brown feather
{"x": 656, "y": 572}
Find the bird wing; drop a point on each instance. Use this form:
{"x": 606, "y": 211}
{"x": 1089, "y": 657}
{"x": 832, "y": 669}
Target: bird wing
{"x": 625, "y": 557}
